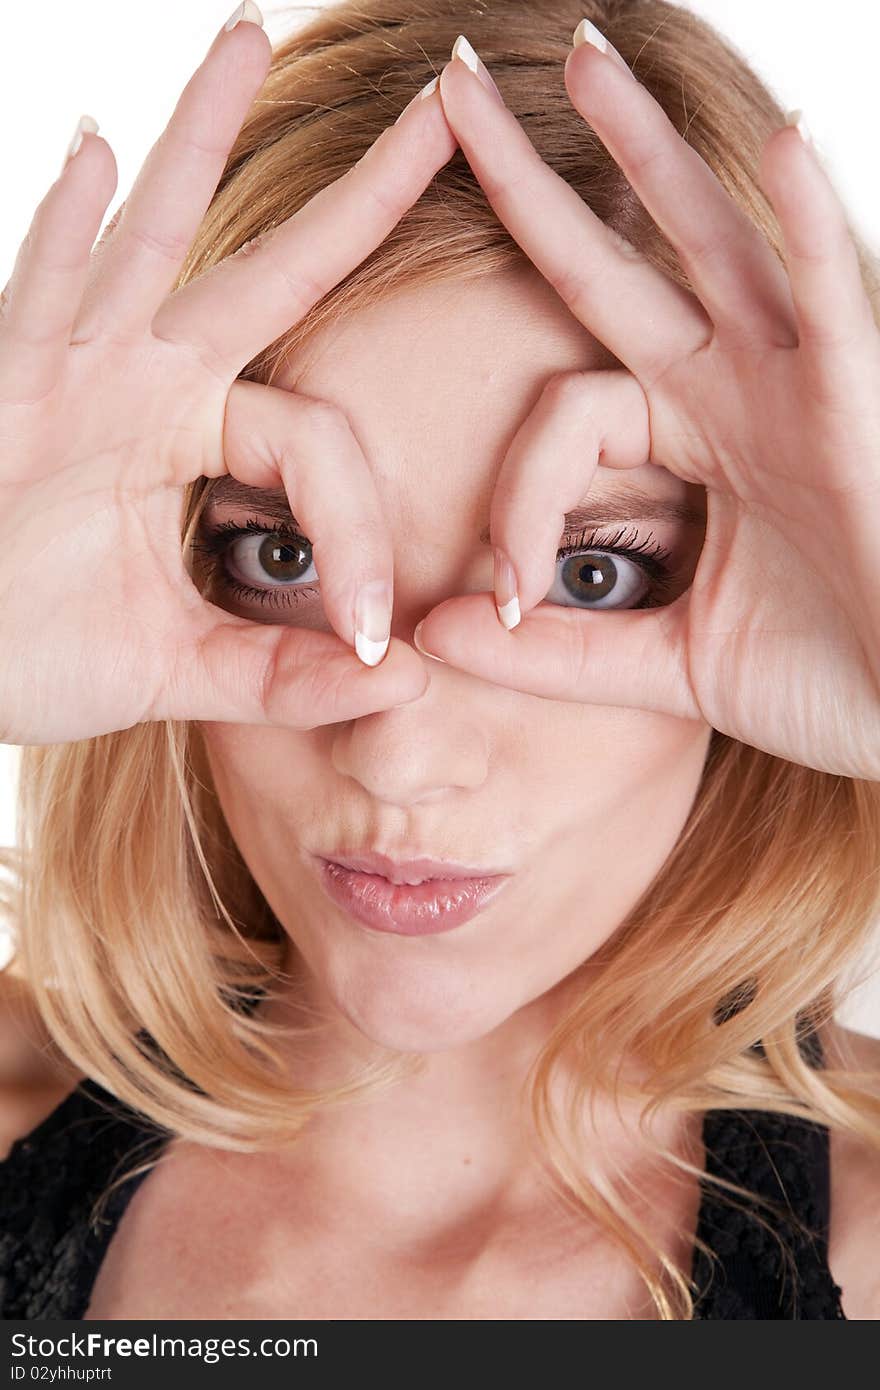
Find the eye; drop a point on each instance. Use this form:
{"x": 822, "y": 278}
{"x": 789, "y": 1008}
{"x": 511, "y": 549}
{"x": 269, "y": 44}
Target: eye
{"x": 608, "y": 574}
{"x": 257, "y": 563}
{"x": 274, "y": 566}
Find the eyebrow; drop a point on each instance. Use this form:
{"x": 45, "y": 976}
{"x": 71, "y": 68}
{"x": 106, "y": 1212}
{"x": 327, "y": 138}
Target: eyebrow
{"x": 618, "y": 504}
{"x": 626, "y": 504}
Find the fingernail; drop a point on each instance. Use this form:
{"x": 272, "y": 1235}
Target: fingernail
{"x": 426, "y": 91}
{"x": 468, "y": 55}
{"x": 418, "y": 646}
{"x": 506, "y": 598}
{"x": 372, "y": 621}
{"x": 85, "y": 125}
{"x": 588, "y": 33}
{"x": 248, "y": 11}
{"x": 796, "y": 118}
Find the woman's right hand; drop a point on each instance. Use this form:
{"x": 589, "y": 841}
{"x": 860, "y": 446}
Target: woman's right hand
{"x": 116, "y": 393}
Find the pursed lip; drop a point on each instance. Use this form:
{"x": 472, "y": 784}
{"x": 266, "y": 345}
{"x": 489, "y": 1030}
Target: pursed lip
{"x": 399, "y": 871}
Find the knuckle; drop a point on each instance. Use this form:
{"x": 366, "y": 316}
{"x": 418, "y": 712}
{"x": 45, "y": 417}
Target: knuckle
{"x": 643, "y": 159}
{"x": 714, "y": 247}
{"x": 170, "y": 248}
{"x": 184, "y": 140}
{"x": 576, "y": 654}
{"x": 318, "y": 415}
{"x": 270, "y": 677}
{"x": 568, "y": 386}
{"x": 514, "y": 185}
{"x": 390, "y": 202}
{"x": 572, "y": 286}
{"x": 576, "y": 393}
{"x": 299, "y": 286}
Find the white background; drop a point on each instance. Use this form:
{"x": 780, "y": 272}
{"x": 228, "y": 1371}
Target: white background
{"x": 126, "y": 63}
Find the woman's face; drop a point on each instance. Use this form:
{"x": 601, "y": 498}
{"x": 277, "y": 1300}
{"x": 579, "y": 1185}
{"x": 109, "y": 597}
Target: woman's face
{"x": 582, "y": 802}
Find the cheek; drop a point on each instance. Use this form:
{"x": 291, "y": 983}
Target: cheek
{"x": 261, "y": 777}
{"x": 652, "y": 760}
{"x": 657, "y": 774}
{"x": 613, "y": 760}
{"x": 615, "y": 786}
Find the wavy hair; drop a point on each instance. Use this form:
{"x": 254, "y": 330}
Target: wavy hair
{"x": 143, "y": 938}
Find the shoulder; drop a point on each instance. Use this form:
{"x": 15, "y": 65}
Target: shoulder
{"x": 34, "y": 1078}
{"x": 855, "y": 1191}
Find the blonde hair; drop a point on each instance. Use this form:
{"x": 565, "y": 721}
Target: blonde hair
{"x": 142, "y": 934}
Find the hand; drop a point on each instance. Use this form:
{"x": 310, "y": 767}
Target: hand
{"x": 765, "y": 390}
{"x": 115, "y": 394}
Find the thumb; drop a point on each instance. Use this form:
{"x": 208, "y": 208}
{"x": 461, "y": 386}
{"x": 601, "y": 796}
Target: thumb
{"x": 230, "y": 670}
{"x": 636, "y": 659}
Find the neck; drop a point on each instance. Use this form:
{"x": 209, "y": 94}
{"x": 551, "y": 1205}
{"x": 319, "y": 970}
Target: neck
{"x": 454, "y": 1135}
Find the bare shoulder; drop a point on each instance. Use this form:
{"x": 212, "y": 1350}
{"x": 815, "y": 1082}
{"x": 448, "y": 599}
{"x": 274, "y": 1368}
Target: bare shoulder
{"x": 34, "y": 1078}
{"x": 855, "y": 1190}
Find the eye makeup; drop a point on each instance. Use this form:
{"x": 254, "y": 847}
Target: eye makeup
{"x": 217, "y": 540}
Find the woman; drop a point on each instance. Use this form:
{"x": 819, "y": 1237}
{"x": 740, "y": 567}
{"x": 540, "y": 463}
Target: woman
{"x": 594, "y": 1073}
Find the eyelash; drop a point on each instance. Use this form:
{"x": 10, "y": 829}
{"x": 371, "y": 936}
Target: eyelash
{"x": 217, "y": 539}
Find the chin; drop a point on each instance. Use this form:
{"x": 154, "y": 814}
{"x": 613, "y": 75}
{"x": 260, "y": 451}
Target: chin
{"x": 423, "y": 1015}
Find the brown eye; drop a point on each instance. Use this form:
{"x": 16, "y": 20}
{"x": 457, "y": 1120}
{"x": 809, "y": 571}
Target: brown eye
{"x": 271, "y": 559}
{"x": 258, "y": 564}
{"x": 599, "y": 579}
{"x": 599, "y": 574}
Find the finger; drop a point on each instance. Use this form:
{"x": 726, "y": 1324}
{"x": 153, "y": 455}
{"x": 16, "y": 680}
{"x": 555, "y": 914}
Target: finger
{"x": 255, "y": 295}
{"x": 640, "y": 314}
{"x": 44, "y": 292}
{"x": 306, "y": 448}
{"x": 141, "y": 260}
{"x": 581, "y": 419}
{"x": 633, "y": 659}
{"x": 832, "y": 308}
{"x": 730, "y": 264}
{"x": 231, "y": 670}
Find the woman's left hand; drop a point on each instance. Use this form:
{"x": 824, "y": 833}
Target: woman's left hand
{"x": 763, "y": 387}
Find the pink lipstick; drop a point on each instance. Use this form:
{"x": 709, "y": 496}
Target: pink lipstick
{"x": 439, "y": 903}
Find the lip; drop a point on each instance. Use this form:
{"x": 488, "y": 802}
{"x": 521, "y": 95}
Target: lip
{"x": 426, "y": 909}
{"x": 399, "y": 871}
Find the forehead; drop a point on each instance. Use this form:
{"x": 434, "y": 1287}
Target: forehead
{"x": 446, "y": 353}
{"x": 443, "y": 374}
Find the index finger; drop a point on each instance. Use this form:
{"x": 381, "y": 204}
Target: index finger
{"x": 247, "y": 301}
{"x": 639, "y": 313}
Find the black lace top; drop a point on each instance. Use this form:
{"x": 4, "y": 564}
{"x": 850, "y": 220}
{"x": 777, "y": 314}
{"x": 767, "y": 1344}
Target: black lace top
{"x": 52, "y": 1243}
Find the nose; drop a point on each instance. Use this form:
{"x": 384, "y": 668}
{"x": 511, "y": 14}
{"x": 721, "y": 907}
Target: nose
{"x": 420, "y": 752}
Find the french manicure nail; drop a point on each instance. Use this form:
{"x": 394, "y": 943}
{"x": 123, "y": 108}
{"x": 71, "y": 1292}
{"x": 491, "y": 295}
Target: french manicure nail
{"x": 247, "y": 11}
{"x": 426, "y": 91}
{"x": 506, "y": 598}
{"x": 469, "y": 56}
{"x": 418, "y": 645}
{"x": 372, "y": 621}
{"x": 796, "y": 118}
{"x": 588, "y": 33}
{"x": 85, "y": 125}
